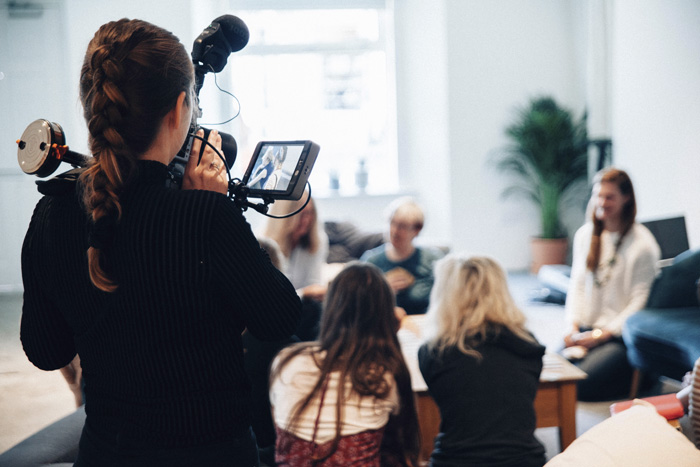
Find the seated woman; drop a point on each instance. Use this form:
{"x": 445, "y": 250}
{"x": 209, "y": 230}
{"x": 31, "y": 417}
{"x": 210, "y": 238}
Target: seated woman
{"x": 347, "y": 399}
{"x": 409, "y": 269}
{"x": 269, "y": 173}
{"x": 482, "y": 368}
{"x": 613, "y": 267}
{"x": 304, "y": 246}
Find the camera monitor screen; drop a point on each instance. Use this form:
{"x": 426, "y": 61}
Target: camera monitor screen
{"x": 280, "y": 169}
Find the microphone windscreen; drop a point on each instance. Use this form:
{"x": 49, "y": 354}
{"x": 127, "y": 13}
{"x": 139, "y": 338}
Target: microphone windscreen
{"x": 235, "y": 31}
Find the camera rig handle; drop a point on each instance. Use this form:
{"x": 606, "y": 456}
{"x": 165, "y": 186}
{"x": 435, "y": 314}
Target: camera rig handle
{"x": 238, "y": 192}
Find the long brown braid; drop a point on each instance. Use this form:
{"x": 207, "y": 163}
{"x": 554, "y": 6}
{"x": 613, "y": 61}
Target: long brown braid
{"x": 629, "y": 212}
{"x": 132, "y": 75}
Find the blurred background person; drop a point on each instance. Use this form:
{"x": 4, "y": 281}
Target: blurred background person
{"x": 304, "y": 246}
{"x": 614, "y": 264}
{"x": 408, "y": 268}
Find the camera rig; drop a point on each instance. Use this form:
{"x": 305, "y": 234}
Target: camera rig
{"x": 42, "y": 147}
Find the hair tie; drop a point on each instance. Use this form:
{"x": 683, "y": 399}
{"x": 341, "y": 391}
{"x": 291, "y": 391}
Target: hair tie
{"x": 101, "y": 233}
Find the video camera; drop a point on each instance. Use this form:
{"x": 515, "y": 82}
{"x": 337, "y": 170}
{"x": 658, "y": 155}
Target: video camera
{"x": 277, "y": 170}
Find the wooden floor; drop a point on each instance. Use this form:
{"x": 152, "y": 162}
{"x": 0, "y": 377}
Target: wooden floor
{"x": 29, "y": 398}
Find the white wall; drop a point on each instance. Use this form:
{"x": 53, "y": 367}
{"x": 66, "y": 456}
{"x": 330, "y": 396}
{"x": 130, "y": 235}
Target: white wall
{"x": 423, "y": 111}
{"x": 656, "y": 105}
{"x": 33, "y": 84}
{"x": 462, "y": 68}
{"x": 501, "y": 54}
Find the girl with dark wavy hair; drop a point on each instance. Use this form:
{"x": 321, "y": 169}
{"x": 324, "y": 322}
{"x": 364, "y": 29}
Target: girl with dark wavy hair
{"x": 347, "y": 398}
{"x": 150, "y": 285}
{"x": 614, "y": 264}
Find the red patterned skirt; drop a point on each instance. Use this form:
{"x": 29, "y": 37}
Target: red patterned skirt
{"x": 361, "y": 449}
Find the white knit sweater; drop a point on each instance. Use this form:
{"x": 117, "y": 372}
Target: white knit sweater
{"x": 295, "y": 382}
{"x": 620, "y": 287}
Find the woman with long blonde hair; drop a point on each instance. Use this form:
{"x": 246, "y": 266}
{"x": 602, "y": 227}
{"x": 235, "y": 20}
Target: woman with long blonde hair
{"x": 302, "y": 240}
{"x": 482, "y": 368}
{"x": 304, "y": 246}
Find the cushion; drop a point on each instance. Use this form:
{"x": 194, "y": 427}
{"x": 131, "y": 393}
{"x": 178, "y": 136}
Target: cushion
{"x": 638, "y": 436}
{"x": 675, "y": 287}
{"x": 346, "y": 242}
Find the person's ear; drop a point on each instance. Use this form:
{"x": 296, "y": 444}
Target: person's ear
{"x": 176, "y": 113}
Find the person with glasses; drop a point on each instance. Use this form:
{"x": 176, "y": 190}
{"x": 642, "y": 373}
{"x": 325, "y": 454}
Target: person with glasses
{"x": 408, "y": 268}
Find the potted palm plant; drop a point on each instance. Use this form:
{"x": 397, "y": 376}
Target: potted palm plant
{"x": 547, "y": 156}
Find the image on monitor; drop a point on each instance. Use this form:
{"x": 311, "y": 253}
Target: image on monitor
{"x": 274, "y": 168}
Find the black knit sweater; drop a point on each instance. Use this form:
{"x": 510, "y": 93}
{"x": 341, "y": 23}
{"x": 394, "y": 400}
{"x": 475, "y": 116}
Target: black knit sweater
{"x": 162, "y": 356}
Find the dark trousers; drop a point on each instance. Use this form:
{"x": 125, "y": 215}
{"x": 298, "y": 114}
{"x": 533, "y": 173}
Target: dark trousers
{"x": 609, "y": 372}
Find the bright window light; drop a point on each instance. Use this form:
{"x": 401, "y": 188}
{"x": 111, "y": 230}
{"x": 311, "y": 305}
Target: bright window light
{"x": 325, "y": 75}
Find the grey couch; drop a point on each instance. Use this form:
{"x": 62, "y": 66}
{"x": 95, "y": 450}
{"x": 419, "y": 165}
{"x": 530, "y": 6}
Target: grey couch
{"x": 56, "y": 445}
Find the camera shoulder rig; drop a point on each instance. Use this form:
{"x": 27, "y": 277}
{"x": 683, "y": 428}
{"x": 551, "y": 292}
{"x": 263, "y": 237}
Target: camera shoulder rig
{"x": 63, "y": 184}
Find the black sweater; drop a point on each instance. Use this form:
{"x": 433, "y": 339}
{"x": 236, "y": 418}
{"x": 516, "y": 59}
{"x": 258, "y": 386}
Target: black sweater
{"x": 486, "y": 406}
{"x": 162, "y": 356}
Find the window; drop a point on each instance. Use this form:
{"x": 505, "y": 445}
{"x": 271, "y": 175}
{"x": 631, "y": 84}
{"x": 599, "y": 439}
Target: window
{"x": 325, "y": 75}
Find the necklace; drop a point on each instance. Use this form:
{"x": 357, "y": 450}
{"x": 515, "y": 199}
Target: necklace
{"x": 603, "y": 274}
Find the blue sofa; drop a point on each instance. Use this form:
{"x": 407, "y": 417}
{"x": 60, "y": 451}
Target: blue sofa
{"x": 664, "y": 337}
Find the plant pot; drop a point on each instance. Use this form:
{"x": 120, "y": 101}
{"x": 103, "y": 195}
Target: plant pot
{"x": 548, "y": 251}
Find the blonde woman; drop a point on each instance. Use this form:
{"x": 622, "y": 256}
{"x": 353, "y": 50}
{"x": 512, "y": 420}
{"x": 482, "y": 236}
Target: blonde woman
{"x": 304, "y": 247}
{"x": 303, "y": 243}
{"x": 482, "y": 367}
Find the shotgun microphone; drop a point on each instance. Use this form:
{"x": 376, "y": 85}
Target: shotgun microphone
{"x": 211, "y": 49}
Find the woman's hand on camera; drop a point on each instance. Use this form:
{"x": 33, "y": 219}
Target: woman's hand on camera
{"x": 210, "y": 173}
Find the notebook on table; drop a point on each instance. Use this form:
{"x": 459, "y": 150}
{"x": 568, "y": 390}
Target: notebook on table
{"x": 667, "y": 405}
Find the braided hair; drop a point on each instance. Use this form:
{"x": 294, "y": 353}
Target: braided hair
{"x": 132, "y": 75}
{"x": 629, "y": 212}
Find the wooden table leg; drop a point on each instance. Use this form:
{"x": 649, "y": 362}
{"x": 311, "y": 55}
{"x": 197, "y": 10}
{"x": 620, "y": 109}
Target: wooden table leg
{"x": 567, "y": 413}
{"x": 429, "y": 422}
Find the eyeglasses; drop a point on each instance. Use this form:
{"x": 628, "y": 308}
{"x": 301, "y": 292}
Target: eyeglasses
{"x": 404, "y": 226}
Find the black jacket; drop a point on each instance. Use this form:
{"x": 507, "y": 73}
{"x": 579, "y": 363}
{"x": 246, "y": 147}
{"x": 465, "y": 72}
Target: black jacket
{"x": 486, "y": 405}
